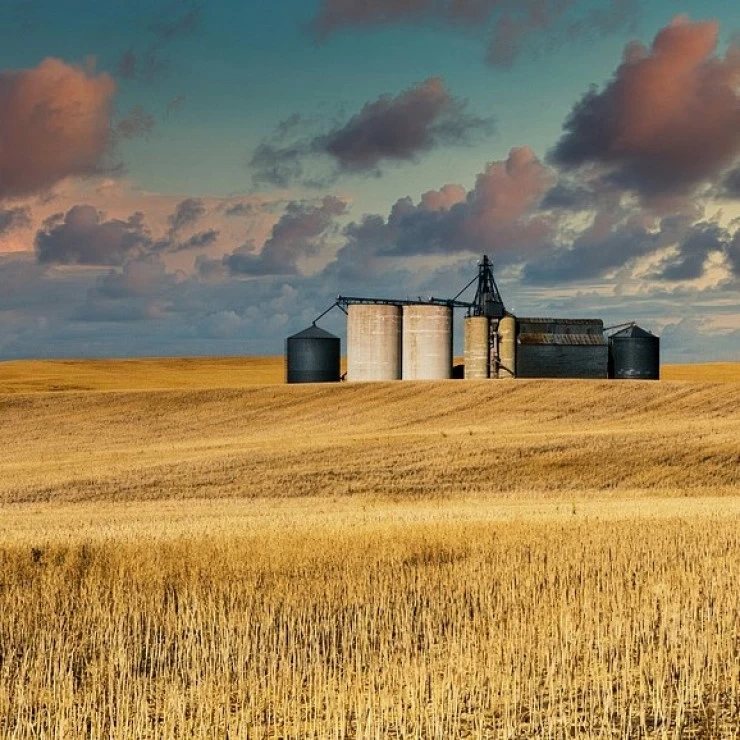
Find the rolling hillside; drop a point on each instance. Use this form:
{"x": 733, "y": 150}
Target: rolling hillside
{"x": 31, "y": 376}
{"x": 397, "y": 439}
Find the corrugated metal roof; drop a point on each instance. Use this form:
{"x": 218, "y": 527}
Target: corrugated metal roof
{"x": 592, "y": 340}
{"x": 564, "y": 322}
{"x": 313, "y": 332}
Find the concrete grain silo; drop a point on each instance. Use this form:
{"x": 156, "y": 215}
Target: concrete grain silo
{"x": 373, "y": 342}
{"x": 427, "y": 342}
{"x": 507, "y": 347}
{"x": 477, "y": 348}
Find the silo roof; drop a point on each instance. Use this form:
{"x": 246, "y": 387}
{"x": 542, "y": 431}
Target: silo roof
{"x": 588, "y": 340}
{"x": 314, "y": 332}
{"x": 634, "y": 332}
{"x": 536, "y": 325}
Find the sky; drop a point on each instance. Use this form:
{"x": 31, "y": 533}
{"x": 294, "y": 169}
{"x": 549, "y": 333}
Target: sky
{"x": 203, "y": 177}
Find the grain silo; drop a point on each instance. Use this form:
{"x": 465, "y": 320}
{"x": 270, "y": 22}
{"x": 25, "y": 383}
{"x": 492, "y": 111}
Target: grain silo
{"x": 507, "y": 347}
{"x": 477, "y": 348}
{"x": 561, "y": 348}
{"x": 427, "y": 342}
{"x": 634, "y": 354}
{"x": 394, "y": 338}
{"x": 312, "y": 356}
{"x": 373, "y": 342}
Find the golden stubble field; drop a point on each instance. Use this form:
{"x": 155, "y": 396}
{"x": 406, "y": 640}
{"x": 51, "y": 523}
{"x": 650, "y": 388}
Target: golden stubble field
{"x": 432, "y": 560}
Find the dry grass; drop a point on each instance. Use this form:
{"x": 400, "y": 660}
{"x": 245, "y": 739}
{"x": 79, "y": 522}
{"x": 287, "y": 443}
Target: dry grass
{"x": 30, "y": 376}
{"x": 409, "y": 439}
{"x": 318, "y": 619}
{"x": 715, "y": 372}
{"x": 33, "y": 376}
{"x": 436, "y": 560}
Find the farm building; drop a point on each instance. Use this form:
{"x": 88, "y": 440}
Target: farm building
{"x": 394, "y": 339}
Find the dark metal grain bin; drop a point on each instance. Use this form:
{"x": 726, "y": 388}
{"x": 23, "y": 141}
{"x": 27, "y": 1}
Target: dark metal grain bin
{"x": 634, "y": 354}
{"x": 312, "y": 356}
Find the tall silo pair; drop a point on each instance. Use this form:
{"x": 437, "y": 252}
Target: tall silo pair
{"x": 394, "y": 342}
{"x": 490, "y": 347}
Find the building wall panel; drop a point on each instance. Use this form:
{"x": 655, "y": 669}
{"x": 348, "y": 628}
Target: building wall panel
{"x": 561, "y": 361}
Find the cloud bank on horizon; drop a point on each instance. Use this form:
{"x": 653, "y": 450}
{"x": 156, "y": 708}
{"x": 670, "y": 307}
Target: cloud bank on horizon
{"x": 633, "y": 210}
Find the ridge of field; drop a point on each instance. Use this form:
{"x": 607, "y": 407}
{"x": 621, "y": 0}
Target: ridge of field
{"x": 716, "y": 372}
{"x": 418, "y": 439}
{"x": 145, "y": 373}
{"x": 34, "y": 376}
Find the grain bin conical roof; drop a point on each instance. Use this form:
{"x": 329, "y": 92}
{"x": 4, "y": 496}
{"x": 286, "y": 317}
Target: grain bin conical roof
{"x": 634, "y": 332}
{"x": 313, "y": 332}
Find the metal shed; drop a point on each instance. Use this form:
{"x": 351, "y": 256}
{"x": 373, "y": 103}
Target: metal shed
{"x": 561, "y": 348}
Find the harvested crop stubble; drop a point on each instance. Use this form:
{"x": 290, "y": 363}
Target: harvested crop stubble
{"x": 398, "y": 439}
{"x": 418, "y": 629}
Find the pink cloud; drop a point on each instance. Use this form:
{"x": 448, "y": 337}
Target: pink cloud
{"x": 55, "y": 122}
{"x": 668, "y": 120}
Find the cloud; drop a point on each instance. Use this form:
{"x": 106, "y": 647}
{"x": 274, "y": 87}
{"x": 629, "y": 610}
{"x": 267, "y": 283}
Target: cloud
{"x": 400, "y": 128}
{"x": 279, "y": 165}
{"x": 139, "y": 278}
{"x": 201, "y": 240}
{"x": 84, "y": 237}
{"x": 240, "y": 209}
{"x": 214, "y": 232}
{"x": 733, "y": 254}
{"x": 390, "y": 129}
{"x": 142, "y": 66}
{"x": 617, "y": 237}
{"x": 55, "y": 122}
{"x": 667, "y": 121}
{"x": 187, "y": 213}
{"x": 508, "y": 23}
{"x": 149, "y": 63}
{"x": 700, "y": 241}
{"x": 730, "y": 187}
{"x": 137, "y": 122}
{"x": 14, "y": 218}
{"x": 497, "y": 215}
{"x": 569, "y": 196}
{"x": 300, "y": 232}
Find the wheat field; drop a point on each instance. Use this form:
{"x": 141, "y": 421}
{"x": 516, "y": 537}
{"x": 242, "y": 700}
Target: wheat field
{"x": 416, "y": 560}
{"x": 29, "y": 376}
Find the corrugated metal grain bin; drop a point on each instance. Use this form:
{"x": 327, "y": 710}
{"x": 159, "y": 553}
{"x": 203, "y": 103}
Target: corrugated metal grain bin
{"x": 312, "y": 356}
{"x": 634, "y": 354}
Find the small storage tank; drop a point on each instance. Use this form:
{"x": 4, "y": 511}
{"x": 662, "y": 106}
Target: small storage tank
{"x": 312, "y": 356}
{"x": 373, "y": 342}
{"x": 634, "y": 354}
{"x": 477, "y": 348}
{"x": 507, "y": 347}
{"x": 427, "y": 343}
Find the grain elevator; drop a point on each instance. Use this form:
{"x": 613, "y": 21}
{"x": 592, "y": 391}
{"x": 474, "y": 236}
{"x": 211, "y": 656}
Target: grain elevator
{"x": 395, "y": 339}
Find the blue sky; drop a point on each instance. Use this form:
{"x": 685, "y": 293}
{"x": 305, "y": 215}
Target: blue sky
{"x": 179, "y": 97}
